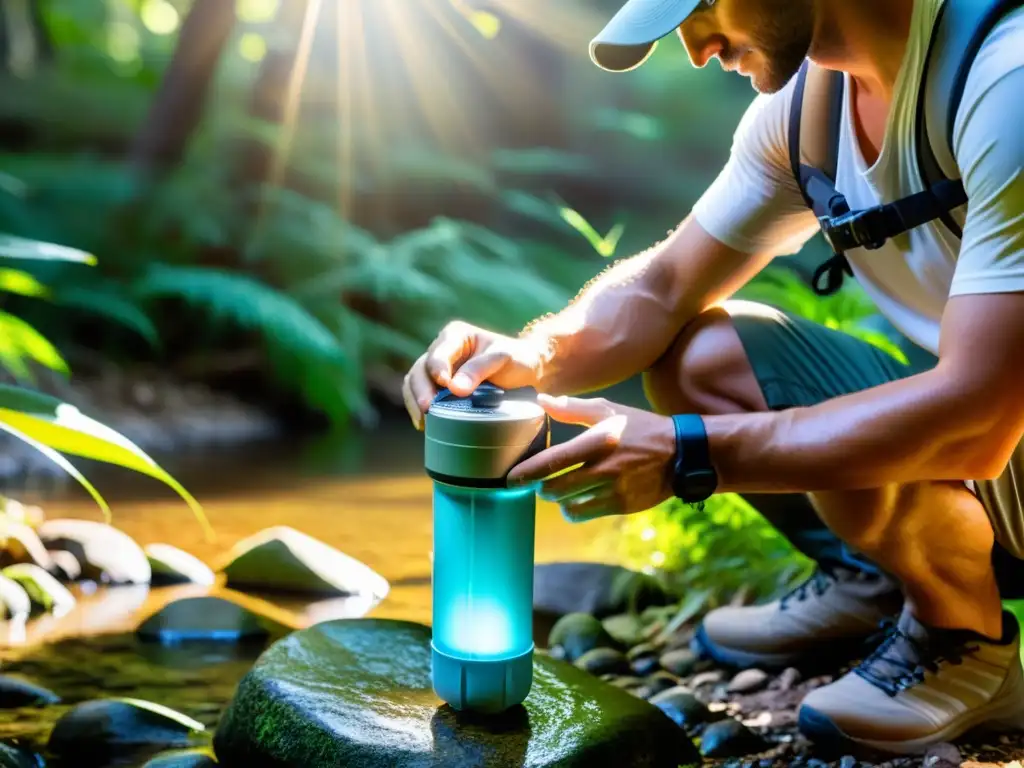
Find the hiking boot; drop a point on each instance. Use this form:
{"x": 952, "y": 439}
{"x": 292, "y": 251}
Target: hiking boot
{"x": 829, "y": 616}
{"x": 920, "y": 686}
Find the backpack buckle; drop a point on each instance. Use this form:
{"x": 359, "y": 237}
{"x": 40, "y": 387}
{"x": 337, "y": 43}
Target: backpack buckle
{"x": 857, "y": 229}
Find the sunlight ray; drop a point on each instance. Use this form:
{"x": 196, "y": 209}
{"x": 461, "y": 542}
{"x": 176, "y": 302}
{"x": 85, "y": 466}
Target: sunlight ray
{"x": 432, "y": 90}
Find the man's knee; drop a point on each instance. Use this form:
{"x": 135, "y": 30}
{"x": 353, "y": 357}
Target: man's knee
{"x": 705, "y": 370}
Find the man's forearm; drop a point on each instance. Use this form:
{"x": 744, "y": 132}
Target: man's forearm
{"x": 915, "y": 429}
{"x": 629, "y": 315}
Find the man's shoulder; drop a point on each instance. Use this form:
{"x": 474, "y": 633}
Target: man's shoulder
{"x": 1000, "y": 54}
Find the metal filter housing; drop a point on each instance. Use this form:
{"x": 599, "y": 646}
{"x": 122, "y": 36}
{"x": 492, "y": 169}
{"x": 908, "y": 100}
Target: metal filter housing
{"x": 477, "y": 440}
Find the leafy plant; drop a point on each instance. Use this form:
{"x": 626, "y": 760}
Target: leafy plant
{"x": 719, "y": 548}
{"x": 50, "y": 426}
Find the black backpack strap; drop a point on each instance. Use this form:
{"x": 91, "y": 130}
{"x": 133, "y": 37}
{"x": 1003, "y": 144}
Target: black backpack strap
{"x": 815, "y": 120}
{"x": 959, "y": 31}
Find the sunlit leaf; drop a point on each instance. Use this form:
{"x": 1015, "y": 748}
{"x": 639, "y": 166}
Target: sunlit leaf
{"x": 171, "y": 714}
{"x": 12, "y": 247}
{"x": 22, "y": 283}
{"x": 68, "y": 430}
{"x": 60, "y": 461}
{"x": 20, "y": 341}
{"x": 603, "y": 245}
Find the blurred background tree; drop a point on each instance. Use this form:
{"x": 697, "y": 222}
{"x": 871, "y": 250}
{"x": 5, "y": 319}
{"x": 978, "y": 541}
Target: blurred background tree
{"x": 289, "y": 198}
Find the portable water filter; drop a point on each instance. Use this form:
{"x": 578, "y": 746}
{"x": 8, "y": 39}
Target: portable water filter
{"x": 482, "y": 645}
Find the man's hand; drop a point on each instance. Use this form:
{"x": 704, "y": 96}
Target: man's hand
{"x": 463, "y": 356}
{"x": 620, "y": 465}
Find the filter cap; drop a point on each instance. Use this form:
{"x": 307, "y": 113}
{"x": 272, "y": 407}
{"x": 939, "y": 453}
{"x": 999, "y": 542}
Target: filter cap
{"x": 477, "y": 440}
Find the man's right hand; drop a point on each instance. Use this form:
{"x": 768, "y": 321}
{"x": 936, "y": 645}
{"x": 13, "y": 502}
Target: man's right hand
{"x": 463, "y": 356}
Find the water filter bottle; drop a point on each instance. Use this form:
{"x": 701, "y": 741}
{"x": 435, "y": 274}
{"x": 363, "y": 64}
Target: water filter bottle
{"x": 482, "y": 645}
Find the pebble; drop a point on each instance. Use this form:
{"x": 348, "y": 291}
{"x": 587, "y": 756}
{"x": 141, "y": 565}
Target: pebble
{"x": 943, "y": 755}
{"x": 641, "y": 651}
{"x": 626, "y": 681}
{"x": 730, "y": 738}
{"x": 626, "y": 628}
{"x": 710, "y": 677}
{"x": 747, "y": 681}
{"x": 661, "y": 681}
{"x": 679, "y": 662}
{"x": 578, "y": 633}
{"x": 786, "y": 680}
{"x": 682, "y": 707}
{"x": 848, "y": 761}
{"x": 645, "y": 665}
{"x": 21, "y": 693}
{"x": 603, "y": 661}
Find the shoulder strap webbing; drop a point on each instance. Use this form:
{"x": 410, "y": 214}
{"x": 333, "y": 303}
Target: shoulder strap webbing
{"x": 959, "y": 31}
{"x": 815, "y": 120}
{"x": 814, "y": 123}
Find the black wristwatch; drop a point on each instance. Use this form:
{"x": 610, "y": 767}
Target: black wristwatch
{"x": 693, "y": 477}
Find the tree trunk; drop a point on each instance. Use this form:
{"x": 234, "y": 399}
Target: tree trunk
{"x": 178, "y": 105}
{"x": 275, "y": 96}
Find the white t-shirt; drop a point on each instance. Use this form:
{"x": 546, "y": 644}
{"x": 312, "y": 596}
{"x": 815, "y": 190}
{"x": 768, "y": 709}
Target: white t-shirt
{"x": 755, "y": 203}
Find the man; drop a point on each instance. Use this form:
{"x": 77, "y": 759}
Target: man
{"x": 917, "y": 472}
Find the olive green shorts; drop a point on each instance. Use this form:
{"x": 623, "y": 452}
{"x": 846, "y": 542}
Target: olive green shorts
{"x": 798, "y": 362}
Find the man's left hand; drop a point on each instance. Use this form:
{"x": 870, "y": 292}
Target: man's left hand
{"x": 620, "y": 465}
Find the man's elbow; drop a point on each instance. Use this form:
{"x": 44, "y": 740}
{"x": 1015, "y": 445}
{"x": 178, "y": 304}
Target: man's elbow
{"x": 993, "y": 447}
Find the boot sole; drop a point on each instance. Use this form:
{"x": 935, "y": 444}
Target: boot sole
{"x": 1006, "y": 714}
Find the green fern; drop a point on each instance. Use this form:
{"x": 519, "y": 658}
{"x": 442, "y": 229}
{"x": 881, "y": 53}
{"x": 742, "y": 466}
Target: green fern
{"x": 302, "y": 350}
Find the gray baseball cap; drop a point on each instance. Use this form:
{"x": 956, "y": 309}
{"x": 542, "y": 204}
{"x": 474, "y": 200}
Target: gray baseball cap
{"x": 630, "y": 37}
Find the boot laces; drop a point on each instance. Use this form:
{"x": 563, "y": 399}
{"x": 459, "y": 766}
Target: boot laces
{"x": 900, "y": 660}
{"x": 818, "y": 584}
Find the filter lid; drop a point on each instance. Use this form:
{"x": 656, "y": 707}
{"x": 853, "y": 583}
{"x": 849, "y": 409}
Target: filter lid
{"x": 484, "y": 435}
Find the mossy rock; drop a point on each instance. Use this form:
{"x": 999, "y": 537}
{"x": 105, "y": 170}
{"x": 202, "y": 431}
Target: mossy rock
{"x": 358, "y": 693}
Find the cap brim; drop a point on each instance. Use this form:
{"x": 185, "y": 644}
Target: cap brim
{"x": 629, "y": 39}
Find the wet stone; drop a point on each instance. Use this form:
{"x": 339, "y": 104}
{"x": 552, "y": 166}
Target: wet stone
{"x": 645, "y": 665}
{"x": 183, "y": 758}
{"x": 661, "y": 681}
{"x": 578, "y": 633}
{"x": 358, "y": 693}
{"x": 942, "y": 756}
{"x": 603, "y": 661}
{"x": 730, "y": 738}
{"x": 679, "y": 662}
{"x": 682, "y": 707}
{"x": 12, "y": 757}
{"x": 627, "y": 629}
{"x": 94, "y": 732}
{"x": 848, "y": 761}
{"x": 748, "y": 681}
{"x": 15, "y": 692}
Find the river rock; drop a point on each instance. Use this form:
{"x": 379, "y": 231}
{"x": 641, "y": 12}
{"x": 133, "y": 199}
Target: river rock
{"x": 282, "y": 559}
{"x": 15, "y": 692}
{"x": 595, "y": 588}
{"x": 730, "y": 738}
{"x": 748, "y": 681}
{"x": 660, "y": 681}
{"x": 207, "y": 618}
{"x": 943, "y": 755}
{"x": 21, "y": 544}
{"x": 603, "y": 661}
{"x": 626, "y": 628}
{"x": 16, "y": 512}
{"x": 12, "y": 757}
{"x": 43, "y": 589}
{"x": 679, "y": 662}
{"x": 171, "y": 565}
{"x": 14, "y": 600}
{"x": 65, "y": 566}
{"x": 107, "y": 555}
{"x": 357, "y": 692}
{"x": 682, "y": 706}
{"x": 577, "y": 633}
{"x": 94, "y": 732}
{"x": 183, "y": 758}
